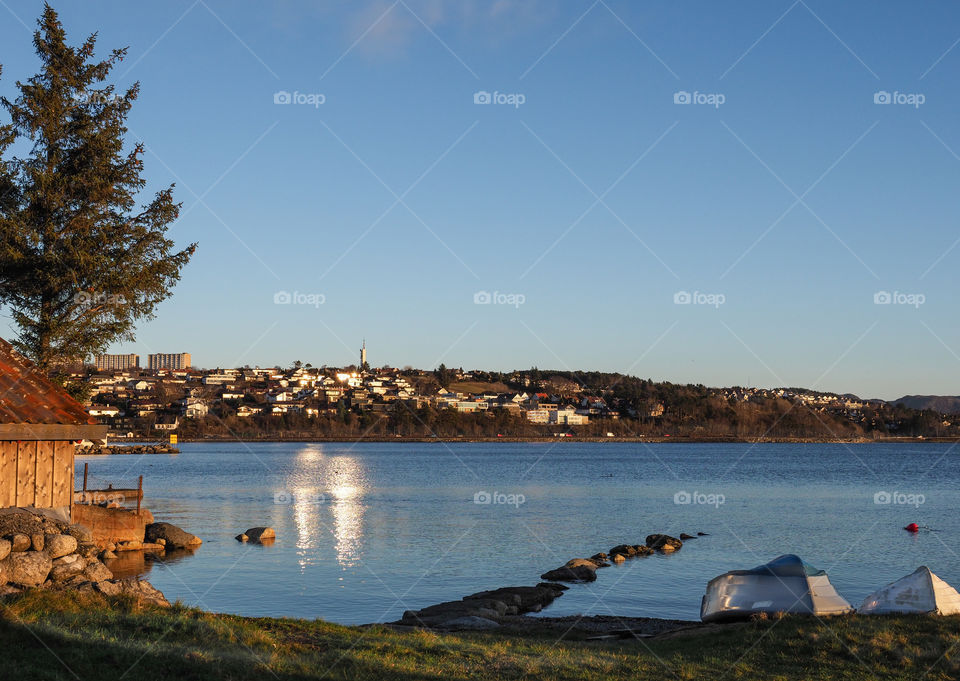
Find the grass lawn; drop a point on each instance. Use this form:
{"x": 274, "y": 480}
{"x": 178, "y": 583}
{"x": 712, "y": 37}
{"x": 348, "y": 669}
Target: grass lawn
{"x": 477, "y": 387}
{"x": 46, "y": 635}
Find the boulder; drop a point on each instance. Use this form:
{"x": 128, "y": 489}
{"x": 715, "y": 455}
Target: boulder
{"x": 242, "y": 538}
{"x": 37, "y": 541}
{"x": 600, "y": 556}
{"x": 643, "y": 550}
{"x": 658, "y": 541}
{"x": 96, "y": 571}
{"x": 702, "y": 534}
{"x": 142, "y": 590}
{"x": 9, "y": 590}
{"x": 684, "y": 536}
{"x": 19, "y": 543}
{"x": 88, "y": 551}
{"x": 618, "y": 558}
{"x": 59, "y": 545}
{"x": 172, "y": 536}
{"x": 576, "y": 570}
{"x": 5, "y": 546}
{"x": 81, "y": 533}
{"x": 258, "y": 535}
{"x": 27, "y": 568}
{"x": 109, "y": 588}
{"x": 470, "y": 622}
{"x": 66, "y": 567}
{"x": 627, "y": 550}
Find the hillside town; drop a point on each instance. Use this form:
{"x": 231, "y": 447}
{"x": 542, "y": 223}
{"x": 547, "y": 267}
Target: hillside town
{"x": 170, "y": 396}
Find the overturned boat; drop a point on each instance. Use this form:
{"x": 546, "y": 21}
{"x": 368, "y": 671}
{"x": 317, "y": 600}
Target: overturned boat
{"x": 919, "y": 592}
{"x": 784, "y": 585}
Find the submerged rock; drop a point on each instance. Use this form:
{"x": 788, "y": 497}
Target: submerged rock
{"x": 576, "y": 570}
{"x": 660, "y": 541}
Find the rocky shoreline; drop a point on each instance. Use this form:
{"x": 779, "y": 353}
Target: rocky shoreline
{"x": 653, "y": 439}
{"x": 100, "y": 450}
{"x": 40, "y": 551}
{"x": 510, "y": 606}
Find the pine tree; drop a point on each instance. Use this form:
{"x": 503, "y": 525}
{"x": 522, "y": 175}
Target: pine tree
{"x": 80, "y": 261}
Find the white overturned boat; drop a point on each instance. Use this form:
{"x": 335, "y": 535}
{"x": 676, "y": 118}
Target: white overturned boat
{"x": 785, "y": 584}
{"x": 919, "y": 592}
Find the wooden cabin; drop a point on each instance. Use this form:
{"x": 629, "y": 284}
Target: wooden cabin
{"x": 39, "y": 426}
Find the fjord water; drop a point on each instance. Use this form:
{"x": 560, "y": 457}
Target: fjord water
{"x": 366, "y": 531}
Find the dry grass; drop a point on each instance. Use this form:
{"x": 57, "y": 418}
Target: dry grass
{"x": 55, "y": 636}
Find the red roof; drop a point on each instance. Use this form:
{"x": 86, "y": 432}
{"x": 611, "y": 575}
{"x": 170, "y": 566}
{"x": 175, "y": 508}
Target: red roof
{"x": 27, "y": 396}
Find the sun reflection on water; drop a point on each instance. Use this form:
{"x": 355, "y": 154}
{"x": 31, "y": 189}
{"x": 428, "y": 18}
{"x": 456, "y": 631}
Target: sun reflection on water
{"x": 328, "y": 497}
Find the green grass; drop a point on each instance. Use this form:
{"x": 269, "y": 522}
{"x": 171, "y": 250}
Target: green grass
{"x": 47, "y": 635}
{"x": 478, "y": 387}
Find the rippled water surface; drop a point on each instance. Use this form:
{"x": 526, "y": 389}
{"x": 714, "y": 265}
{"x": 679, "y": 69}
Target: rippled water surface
{"x": 366, "y": 531}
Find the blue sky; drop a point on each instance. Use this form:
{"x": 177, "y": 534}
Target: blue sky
{"x": 783, "y": 195}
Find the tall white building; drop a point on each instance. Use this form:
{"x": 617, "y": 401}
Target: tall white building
{"x": 363, "y": 353}
{"x": 116, "y": 362}
{"x": 170, "y": 360}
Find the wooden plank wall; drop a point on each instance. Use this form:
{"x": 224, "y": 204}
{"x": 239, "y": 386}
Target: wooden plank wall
{"x": 36, "y": 473}
{"x": 63, "y": 474}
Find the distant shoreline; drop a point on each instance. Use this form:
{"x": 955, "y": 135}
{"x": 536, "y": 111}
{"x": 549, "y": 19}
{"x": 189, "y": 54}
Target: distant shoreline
{"x": 515, "y": 440}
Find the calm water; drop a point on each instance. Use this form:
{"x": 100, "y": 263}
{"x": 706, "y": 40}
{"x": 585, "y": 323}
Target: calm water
{"x": 366, "y": 531}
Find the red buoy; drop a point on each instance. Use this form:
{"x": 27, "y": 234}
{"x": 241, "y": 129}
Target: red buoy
{"x": 912, "y": 527}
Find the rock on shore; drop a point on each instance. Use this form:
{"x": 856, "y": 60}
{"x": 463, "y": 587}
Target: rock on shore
{"x": 483, "y": 609}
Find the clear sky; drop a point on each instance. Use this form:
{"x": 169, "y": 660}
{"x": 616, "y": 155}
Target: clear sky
{"x": 628, "y": 152}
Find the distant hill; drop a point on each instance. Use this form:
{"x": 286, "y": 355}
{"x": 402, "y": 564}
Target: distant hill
{"x": 942, "y": 403}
